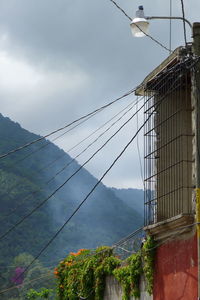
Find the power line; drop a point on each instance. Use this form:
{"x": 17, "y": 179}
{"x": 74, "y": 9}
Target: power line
{"x": 86, "y": 162}
{"x": 84, "y": 139}
{"x": 49, "y": 142}
{"x": 35, "y": 192}
{"x": 117, "y": 245}
{"x": 149, "y": 36}
{"x": 32, "y": 194}
{"x": 123, "y": 11}
{"x": 69, "y": 124}
{"x": 68, "y": 151}
{"x": 83, "y": 201}
{"x": 184, "y": 26}
{"x": 138, "y": 149}
{"x": 95, "y": 186}
{"x": 51, "y": 240}
{"x": 55, "y": 191}
{"x": 20, "y": 285}
{"x": 91, "y": 144}
{"x": 170, "y": 26}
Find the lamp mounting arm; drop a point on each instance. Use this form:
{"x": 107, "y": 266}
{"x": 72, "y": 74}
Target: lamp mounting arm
{"x": 170, "y": 18}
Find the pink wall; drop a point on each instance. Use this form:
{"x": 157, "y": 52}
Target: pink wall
{"x": 175, "y": 275}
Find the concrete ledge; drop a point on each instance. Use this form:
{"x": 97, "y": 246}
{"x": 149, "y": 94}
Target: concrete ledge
{"x": 168, "y": 62}
{"x": 167, "y": 228}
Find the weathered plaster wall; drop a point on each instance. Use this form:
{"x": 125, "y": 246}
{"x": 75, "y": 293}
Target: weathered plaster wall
{"x": 176, "y": 270}
{"x": 113, "y": 290}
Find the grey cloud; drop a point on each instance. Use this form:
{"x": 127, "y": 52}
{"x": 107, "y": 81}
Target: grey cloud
{"x": 88, "y": 37}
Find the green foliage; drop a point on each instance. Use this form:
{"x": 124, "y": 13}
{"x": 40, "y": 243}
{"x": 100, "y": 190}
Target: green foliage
{"x": 129, "y": 276}
{"x": 83, "y": 274}
{"x": 148, "y": 259}
{"x": 42, "y": 294}
{"x": 37, "y": 276}
{"x": 23, "y": 186}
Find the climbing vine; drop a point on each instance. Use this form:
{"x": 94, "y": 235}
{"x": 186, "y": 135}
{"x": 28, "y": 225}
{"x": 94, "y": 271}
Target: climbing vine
{"x": 148, "y": 263}
{"x": 82, "y": 275}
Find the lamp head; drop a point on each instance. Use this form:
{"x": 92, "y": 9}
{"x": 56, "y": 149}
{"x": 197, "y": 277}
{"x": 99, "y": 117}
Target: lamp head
{"x": 139, "y": 25}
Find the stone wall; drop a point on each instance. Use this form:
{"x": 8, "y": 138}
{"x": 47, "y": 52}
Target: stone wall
{"x": 113, "y": 290}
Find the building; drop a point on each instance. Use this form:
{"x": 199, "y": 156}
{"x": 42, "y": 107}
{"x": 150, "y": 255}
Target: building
{"x": 171, "y": 95}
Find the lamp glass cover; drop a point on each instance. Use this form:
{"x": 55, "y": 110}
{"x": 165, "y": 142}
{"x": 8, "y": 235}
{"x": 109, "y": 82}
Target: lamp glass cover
{"x": 137, "y": 24}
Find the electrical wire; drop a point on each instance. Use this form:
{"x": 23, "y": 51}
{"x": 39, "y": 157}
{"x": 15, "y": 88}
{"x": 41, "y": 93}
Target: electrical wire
{"x": 49, "y": 142}
{"x": 51, "y": 240}
{"x": 149, "y": 36}
{"x": 170, "y": 26}
{"x": 184, "y": 26}
{"x": 59, "y": 188}
{"x": 32, "y": 194}
{"x": 68, "y": 125}
{"x": 55, "y": 191}
{"x": 20, "y": 285}
{"x": 83, "y": 201}
{"x": 35, "y": 192}
{"x": 92, "y": 190}
{"x": 123, "y": 11}
{"x": 138, "y": 149}
{"x": 118, "y": 245}
{"x": 91, "y": 144}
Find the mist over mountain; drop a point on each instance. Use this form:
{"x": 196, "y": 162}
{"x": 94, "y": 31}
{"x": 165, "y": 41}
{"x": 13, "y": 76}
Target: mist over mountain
{"x": 134, "y": 198}
{"x": 24, "y": 176}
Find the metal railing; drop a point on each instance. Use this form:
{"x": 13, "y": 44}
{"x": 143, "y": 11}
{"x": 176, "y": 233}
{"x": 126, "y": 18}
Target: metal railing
{"x": 168, "y": 144}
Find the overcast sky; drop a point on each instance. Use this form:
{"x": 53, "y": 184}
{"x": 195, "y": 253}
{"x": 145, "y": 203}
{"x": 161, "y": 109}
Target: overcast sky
{"x": 61, "y": 59}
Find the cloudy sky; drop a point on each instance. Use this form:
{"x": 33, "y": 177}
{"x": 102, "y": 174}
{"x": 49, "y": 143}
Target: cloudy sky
{"x": 61, "y": 59}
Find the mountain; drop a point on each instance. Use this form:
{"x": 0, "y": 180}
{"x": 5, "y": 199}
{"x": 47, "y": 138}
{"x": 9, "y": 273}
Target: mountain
{"x": 24, "y": 176}
{"x": 134, "y": 198}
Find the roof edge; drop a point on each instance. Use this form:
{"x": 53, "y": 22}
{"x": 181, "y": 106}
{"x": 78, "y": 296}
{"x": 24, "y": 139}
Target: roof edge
{"x": 170, "y": 60}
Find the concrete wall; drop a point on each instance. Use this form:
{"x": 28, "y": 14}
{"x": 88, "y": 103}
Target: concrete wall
{"x": 113, "y": 290}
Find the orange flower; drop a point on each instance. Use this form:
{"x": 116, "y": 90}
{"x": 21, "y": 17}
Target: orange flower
{"x": 78, "y": 253}
{"x": 68, "y": 263}
{"x": 56, "y": 273}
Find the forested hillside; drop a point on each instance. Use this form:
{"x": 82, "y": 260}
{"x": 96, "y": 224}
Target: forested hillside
{"x": 103, "y": 219}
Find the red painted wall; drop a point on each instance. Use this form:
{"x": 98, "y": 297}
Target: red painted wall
{"x": 175, "y": 275}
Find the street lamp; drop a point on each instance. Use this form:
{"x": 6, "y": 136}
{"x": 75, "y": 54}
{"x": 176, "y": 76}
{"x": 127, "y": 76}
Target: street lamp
{"x": 140, "y": 24}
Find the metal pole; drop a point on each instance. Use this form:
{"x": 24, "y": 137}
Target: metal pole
{"x": 168, "y": 18}
{"x": 196, "y": 90}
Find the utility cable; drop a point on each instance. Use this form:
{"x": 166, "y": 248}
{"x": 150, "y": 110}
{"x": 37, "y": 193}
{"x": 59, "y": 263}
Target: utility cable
{"x": 35, "y": 192}
{"x": 149, "y": 36}
{"x": 51, "y": 240}
{"x": 95, "y": 186}
{"x": 116, "y": 245}
{"x": 56, "y": 138}
{"x": 184, "y": 26}
{"x": 170, "y": 26}
{"x": 20, "y": 285}
{"x": 55, "y": 191}
{"x": 49, "y": 142}
{"x": 83, "y": 201}
{"x": 138, "y": 149}
{"x": 87, "y": 137}
{"x": 123, "y": 11}
{"x": 69, "y": 124}
{"x": 91, "y": 144}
